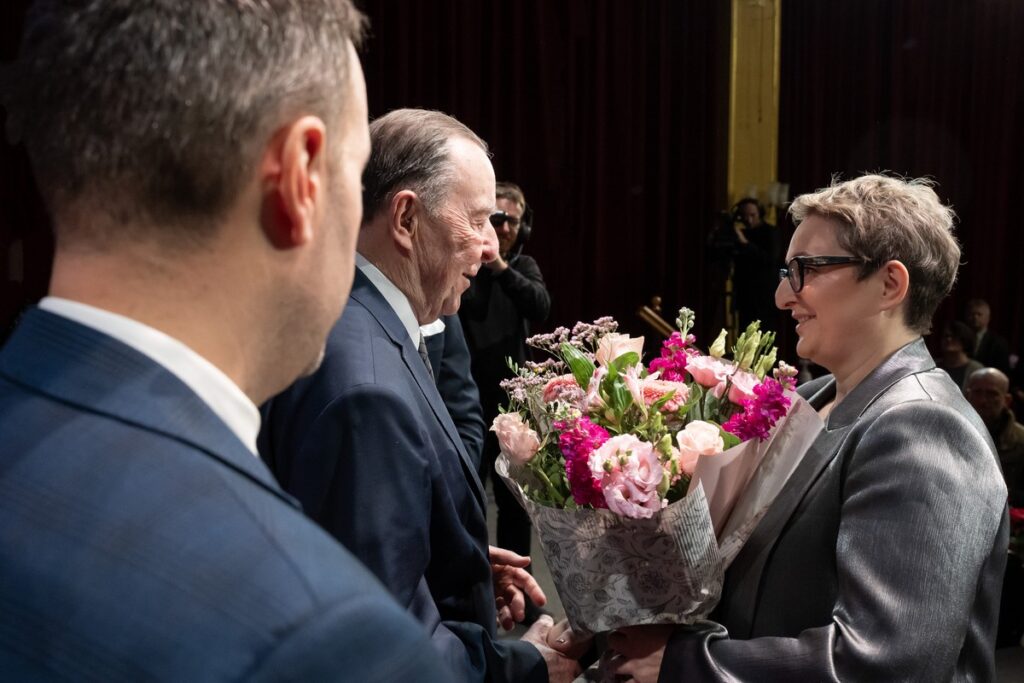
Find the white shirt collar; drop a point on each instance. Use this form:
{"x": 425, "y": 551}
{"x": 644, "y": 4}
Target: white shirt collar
{"x": 215, "y": 388}
{"x": 393, "y": 295}
{"x": 430, "y": 329}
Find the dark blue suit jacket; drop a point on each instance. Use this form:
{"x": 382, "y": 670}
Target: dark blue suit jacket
{"x": 140, "y": 540}
{"x": 368, "y": 447}
{"x": 449, "y": 358}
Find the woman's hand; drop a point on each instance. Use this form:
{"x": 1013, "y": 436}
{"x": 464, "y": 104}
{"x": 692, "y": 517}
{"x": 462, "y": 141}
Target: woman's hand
{"x": 634, "y": 653}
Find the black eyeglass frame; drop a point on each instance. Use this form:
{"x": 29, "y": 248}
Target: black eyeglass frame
{"x": 499, "y": 218}
{"x": 803, "y": 262}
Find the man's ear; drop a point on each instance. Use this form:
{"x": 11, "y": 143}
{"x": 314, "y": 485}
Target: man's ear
{"x": 405, "y": 220}
{"x": 293, "y": 180}
{"x": 895, "y": 284}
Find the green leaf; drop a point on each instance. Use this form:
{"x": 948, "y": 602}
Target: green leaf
{"x": 710, "y": 406}
{"x": 663, "y": 400}
{"x": 728, "y": 438}
{"x": 582, "y": 368}
{"x": 624, "y": 361}
{"x": 694, "y": 402}
{"x": 619, "y": 398}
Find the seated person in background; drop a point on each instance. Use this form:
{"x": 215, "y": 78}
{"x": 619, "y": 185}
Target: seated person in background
{"x": 141, "y": 539}
{"x": 989, "y": 348}
{"x": 367, "y": 444}
{"x": 502, "y": 300}
{"x": 450, "y": 365}
{"x": 956, "y": 340}
{"x": 988, "y": 390}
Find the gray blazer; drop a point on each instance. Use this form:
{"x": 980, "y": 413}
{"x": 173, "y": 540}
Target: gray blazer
{"x": 881, "y": 560}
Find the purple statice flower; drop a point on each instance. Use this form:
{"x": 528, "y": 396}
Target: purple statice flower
{"x": 672, "y": 362}
{"x": 545, "y": 367}
{"x": 550, "y": 342}
{"x": 519, "y": 386}
{"x": 578, "y": 439}
{"x": 760, "y": 413}
{"x": 585, "y": 335}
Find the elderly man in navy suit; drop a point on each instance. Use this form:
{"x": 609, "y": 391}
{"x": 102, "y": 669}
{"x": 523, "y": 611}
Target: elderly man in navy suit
{"x": 367, "y": 445}
{"x": 202, "y": 163}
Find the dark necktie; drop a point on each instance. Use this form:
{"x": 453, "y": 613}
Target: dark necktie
{"x": 425, "y": 356}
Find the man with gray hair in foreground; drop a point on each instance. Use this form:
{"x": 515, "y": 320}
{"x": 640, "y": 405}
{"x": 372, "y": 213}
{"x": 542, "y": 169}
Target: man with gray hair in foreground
{"x": 201, "y": 161}
{"x": 367, "y": 444}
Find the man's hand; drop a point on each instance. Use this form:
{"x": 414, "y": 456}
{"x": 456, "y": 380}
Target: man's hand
{"x": 511, "y": 581}
{"x": 563, "y": 639}
{"x": 497, "y": 265}
{"x": 634, "y": 654}
{"x": 561, "y": 669}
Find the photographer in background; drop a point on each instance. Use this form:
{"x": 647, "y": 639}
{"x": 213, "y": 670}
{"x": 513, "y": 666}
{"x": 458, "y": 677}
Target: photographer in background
{"x": 503, "y": 299}
{"x": 756, "y": 265}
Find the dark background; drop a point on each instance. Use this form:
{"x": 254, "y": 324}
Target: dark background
{"x": 613, "y": 116}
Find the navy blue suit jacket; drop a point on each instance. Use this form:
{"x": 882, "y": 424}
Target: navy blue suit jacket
{"x": 140, "y": 540}
{"x": 368, "y": 447}
{"x": 449, "y": 358}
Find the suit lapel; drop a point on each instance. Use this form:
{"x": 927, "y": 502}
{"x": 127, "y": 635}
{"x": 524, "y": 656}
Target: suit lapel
{"x": 76, "y": 364}
{"x": 365, "y": 293}
{"x": 744, "y": 578}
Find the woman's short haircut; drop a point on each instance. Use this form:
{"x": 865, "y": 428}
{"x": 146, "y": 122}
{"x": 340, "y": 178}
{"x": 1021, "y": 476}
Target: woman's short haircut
{"x": 886, "y": 218}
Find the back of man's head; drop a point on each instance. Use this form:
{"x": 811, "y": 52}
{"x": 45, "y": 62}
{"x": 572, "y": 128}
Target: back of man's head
{"x": 148, "y": 115}
{"x": 409, "y": 151}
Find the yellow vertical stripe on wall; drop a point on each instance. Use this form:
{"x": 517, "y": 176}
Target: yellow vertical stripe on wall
{"x": 754, "y": 96}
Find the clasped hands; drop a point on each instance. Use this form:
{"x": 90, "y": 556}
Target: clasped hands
{"x": 634, "y": 653}
{"x": 511, "y": 583}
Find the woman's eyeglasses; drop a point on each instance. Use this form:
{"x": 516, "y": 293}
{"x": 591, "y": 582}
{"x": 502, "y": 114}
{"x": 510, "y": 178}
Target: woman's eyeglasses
{"x": 499, "y": 218}
{"x": 797, "y": 267}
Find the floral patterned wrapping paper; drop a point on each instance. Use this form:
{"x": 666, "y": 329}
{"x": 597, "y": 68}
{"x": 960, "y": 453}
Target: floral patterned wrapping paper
{"x": 612, "y": 571}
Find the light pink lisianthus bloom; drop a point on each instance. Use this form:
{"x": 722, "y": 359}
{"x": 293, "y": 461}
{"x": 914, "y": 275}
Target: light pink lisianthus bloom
{"x": 742, "y": 388}
{"x": 629, "y": 471}
{"x": 697, "y": 439}
{"x": 710, "y": 372}
{"x": 562, "y": 388}
{"x": 517, "y": 440}
{"x": 613, "y": 345}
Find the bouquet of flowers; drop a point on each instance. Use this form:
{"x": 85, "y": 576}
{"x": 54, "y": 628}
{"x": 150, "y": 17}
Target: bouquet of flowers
{"x": 610, "y": 458}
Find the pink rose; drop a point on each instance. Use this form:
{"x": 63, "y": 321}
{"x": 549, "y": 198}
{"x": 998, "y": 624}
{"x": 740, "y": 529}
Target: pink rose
{"x": 742, "y": 388}
{"x": 629, "y": 471}
{"x": 698, "y": 438}
{"x": 613, "y": 345}
{"x": 710, "y": 372}
{"x": 517, "y": 440}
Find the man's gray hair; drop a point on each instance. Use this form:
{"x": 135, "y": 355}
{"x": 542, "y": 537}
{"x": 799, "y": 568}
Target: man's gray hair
{"x": 409, "y": 151}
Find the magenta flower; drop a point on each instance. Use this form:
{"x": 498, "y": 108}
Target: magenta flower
{"x": 672, "y": 362}
{"x": 760, "y": 414}
{"x": 578, "y": 439}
